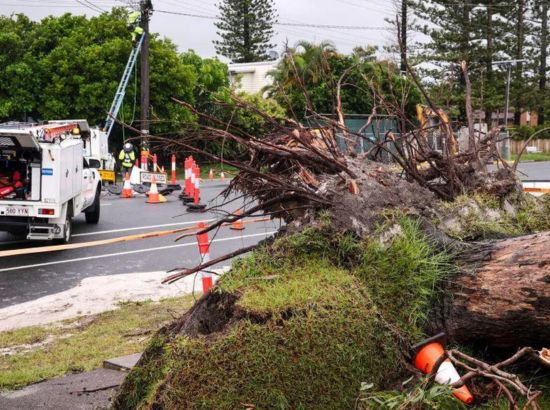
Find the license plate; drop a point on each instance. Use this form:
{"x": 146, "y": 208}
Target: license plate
{"x": 14, "y": 211}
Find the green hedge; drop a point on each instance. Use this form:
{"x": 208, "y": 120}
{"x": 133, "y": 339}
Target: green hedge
{"x": 523, "y": 133}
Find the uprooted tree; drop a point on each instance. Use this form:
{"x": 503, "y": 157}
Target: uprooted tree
{"x": 372, "y": 257}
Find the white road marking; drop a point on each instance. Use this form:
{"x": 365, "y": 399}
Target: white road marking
{"x": 160, "y": 248}
{"x": 140, "y": 227}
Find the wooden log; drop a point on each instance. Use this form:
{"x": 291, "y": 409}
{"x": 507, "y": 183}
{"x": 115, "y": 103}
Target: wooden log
{"x": 502, "y": 295}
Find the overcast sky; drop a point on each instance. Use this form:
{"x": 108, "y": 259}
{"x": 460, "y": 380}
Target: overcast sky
{"x": 197, "y": 33}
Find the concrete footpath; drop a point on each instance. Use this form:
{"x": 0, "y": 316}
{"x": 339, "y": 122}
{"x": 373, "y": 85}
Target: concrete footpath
{"x": 83, "y": 391}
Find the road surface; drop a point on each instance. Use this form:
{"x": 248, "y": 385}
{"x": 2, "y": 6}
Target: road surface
{"x": 534, "y": 170}
{"x": 28, "y": 277}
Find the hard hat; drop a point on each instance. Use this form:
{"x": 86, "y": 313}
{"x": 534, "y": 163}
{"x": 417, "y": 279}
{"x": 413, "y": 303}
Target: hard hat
{"x": 128, "y": 147}
{"x": 76, "y": 131}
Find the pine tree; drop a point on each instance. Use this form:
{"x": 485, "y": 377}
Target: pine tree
{"x": 471, "y": 31}
{"x": 541, "y": 43}
{"x": 246, "y": 29}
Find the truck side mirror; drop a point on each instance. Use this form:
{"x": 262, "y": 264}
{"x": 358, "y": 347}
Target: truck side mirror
{"x": 94, "y": 163}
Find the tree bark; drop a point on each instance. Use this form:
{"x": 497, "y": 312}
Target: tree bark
{"x": 502, "y": 295}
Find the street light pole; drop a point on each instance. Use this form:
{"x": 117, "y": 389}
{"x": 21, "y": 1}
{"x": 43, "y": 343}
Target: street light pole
{"x": 508, "y": 81}
{"x": 508, "y": 64}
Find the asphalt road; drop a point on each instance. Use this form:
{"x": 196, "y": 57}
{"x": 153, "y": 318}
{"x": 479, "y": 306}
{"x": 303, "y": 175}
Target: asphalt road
{"x": 24, "y": 278}
{"x": 534, "y": 170}
{"x": 28, "y": 277}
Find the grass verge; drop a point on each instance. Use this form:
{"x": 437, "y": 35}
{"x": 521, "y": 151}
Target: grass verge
{"x": 534, "y": 156}
{"x": 32, "y": 354}
{"x": 311, "y": 322}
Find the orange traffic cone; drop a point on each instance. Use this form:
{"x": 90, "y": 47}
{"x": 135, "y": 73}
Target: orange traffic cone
{"x": 154, "y": 196}
{"x": 428, "y": 354}
{"x": 211, "y": 174}
{"x": 127, "y": 191}
{"x": 238, "y": 224}
{"x": 222, "y": 176}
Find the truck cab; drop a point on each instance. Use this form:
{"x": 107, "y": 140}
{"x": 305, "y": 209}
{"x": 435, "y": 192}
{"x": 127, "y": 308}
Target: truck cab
{"x": 46, "y": 179}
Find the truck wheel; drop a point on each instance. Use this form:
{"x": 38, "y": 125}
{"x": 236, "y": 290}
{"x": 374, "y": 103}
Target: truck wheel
{"x": 92, "y": 217}
{"x": 67, "y": 232}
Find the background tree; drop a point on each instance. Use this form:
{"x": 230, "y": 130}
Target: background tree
{"x": 246, "y": 29}
{"x": 70, "y": 67}
{"x": 474, "y": 32}
{"x": 481, "y": 33}
{"x": 541, "y": 42}
{"x": 316, "y": 69}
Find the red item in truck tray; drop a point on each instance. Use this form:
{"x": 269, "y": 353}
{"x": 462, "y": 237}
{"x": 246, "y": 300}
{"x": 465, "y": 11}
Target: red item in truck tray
{"x": 16, "y": 176}
{"x": 6, "y": 191}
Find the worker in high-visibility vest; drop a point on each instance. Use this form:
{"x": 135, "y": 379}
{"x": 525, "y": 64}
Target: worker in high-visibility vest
{"x": 134, "y": 21}
{"x": 127, "y": 157}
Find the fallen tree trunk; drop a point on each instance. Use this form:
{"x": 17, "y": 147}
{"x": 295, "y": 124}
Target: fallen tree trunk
{"x": 502, "y": 296}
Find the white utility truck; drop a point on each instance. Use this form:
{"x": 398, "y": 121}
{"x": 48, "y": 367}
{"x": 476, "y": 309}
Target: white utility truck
{"x": 46, "y": 179}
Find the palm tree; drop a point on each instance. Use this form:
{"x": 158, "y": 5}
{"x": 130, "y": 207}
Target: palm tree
{"x": 306, "y": 62}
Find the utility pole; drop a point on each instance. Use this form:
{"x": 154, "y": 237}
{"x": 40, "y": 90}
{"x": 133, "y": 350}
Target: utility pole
{"x": 543, "y": 57}
{"x": 146, "y": 8}
{"x": 519, "y": 56}
{"x": 403, "y": 35}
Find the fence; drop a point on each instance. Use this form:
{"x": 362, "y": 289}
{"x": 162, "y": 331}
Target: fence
{"x": 372, "y": 134}
{"x": 541, "y": 145}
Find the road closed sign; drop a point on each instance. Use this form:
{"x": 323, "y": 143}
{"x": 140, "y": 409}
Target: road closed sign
{"x": 147, "y": 177}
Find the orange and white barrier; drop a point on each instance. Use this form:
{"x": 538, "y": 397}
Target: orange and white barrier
{"x": 127, "y": 191}
{"x": 196, "y": 205}
{"x": 144, "y": 156}
{"x": 196, "y": 184}
{"x": 536, "y": 188}
{"x": 135, "y": 176}
{"x": 154, "y": 196}
{"x": 173, "y": 179}
{"x": 192, "y": 180}
{"x": 238, "y": 224}
{"x": 187, "y": 167}
{"x": 431, "y": 353}
{"x": 204, "y": 249}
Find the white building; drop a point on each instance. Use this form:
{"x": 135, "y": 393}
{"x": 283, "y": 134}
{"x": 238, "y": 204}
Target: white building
{"x": 251, "y": 77}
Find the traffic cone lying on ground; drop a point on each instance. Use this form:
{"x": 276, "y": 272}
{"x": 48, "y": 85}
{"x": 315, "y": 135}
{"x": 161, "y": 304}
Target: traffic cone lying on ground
{"x": 238, "y": 224}
{"x": 204, "y": 249}
{"x": 127, "y": 191}
{"x": 431, "y": 352}
{"x": 153, "y": 196}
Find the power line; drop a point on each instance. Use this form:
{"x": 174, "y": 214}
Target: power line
{"x": 287, "y": 24}
{"x": 90, "y": 5}
{"x": 94, "y": 5}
